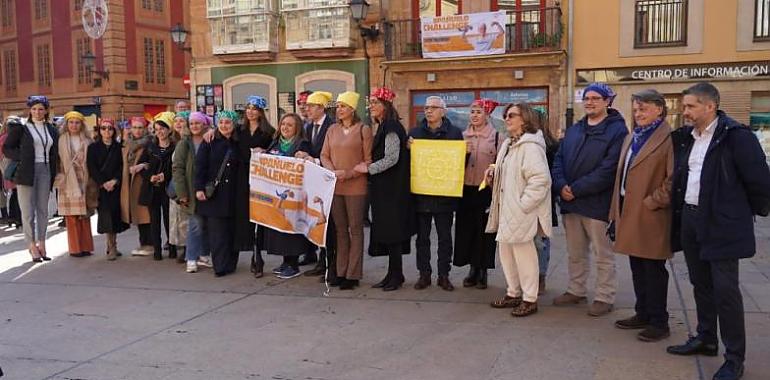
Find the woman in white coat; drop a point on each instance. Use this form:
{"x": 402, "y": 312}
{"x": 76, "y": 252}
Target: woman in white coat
{"x": 521, "y": 206}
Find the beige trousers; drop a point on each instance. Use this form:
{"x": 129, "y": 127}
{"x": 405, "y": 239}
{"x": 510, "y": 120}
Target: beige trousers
{"x": 586, "y": 236}
{"x": 348, "y": 215}
{"x": 519, "y": 262}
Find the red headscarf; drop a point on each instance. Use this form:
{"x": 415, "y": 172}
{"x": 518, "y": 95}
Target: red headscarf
{"x": 384, "y": 93}
{"x": 302, "y": 99}
{"x": 137, "y": 119}
{"x": 107, "y": 120}
{"x": 488, "y": 105}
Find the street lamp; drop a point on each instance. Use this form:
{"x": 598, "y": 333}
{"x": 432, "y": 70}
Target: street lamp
{"x": 179, "y": 36}
{"x": 358, "y": 10}
{"x": 89, "y": 61}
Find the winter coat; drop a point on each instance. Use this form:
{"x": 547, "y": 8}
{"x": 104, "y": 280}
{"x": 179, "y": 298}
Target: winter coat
{"x": 159, "y": 162}
{"x": 130, "y": 187}
{"x": 586, "y": 161}
{"x": 521, "y": 193}
{"x": 642, "y": 228}
{"x": 447, "y": 131}
{"x": 734, "y": 186}
{"x": 72, "y": 180}
{"x": 244, "y": 229}
{"x": 183, "y": 172}
{"x": 208, "y": 160}
{"x": 20, "y": 146}
{"x": 105, "y": 163}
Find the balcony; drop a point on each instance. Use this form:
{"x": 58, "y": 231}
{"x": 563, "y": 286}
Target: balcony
{"x": 526, "y": 31}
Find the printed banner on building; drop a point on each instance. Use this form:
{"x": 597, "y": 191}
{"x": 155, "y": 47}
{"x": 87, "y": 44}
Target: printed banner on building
{"x": 291, "y": 195}
{"x": 438, "y": 167}
{"x": 463, "y": 35}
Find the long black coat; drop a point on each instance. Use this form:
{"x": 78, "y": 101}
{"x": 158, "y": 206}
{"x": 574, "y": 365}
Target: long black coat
{"x": 391, "y": 200}
{"x": 20, "y": 146}
{"x": 208, "y": 160}
{"x": 160, "y": 162}
{"x": 105, "y": 163}
{"x": 734, "y": 186}
{"x": 244, "y": 229}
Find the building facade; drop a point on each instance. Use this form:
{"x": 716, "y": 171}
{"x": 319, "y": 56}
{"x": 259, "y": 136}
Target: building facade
{"x": 138, "y": 69}
{"x": 670, "y": 44}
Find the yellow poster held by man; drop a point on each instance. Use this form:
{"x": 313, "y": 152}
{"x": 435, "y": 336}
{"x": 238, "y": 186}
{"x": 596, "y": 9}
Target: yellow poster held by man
{"x": 438, "y": 167}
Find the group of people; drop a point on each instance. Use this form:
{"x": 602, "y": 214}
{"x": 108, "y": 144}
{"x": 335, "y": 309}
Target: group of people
{"x": 645, "y": 193}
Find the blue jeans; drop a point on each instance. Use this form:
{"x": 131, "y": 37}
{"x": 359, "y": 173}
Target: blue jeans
{"x": 543, "y": 246}
{"x": 33, "y": 202}
{"x": 197, "y": 238}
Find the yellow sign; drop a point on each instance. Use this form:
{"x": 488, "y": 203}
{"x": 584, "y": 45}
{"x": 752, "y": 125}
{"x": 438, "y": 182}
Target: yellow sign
{"x": 438, "y": 167}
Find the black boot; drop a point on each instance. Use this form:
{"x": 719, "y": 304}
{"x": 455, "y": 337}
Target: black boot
{"x": 181, "y": 252}
{"x": 482, "y": 279}
{"x": 157, "y": 255}
{"x": 172, "y": 251}
{"x": 395, "y": 282}
{"x": 384, "y": 281}
{"x": 257, "y": 264}
{"x": 472, "y": 279}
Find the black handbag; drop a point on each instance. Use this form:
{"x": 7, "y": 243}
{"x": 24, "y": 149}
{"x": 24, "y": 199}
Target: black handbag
{"x": 211, "y": 186}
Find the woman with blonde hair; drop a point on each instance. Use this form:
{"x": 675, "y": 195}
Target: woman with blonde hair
{"x": 521, "y": 206}
{"x": 132, "y": 182}
{"x": 76, "y": 195}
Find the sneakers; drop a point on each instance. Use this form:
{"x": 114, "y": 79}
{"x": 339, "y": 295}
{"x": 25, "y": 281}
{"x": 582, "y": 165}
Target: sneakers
{"x": 279, "y": 269}
{"x": 599, "y": 308}
{"x": 635, "y": 322}
{"x": 143, "y": 251}
{"x": 192, "y": 266}
{"x": 289, "y": 272}
{"x": 568, "y": 299}
{"x": 205, "y": 261}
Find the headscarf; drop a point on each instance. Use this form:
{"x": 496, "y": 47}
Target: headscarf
{"x": 74, "y": 115}
{"x": 384, "y": 93}
{"x": 349, "y": 98}
{"x": 302, "y": 99}
{"x": 488, "y": 105}
{"x": 183, "y": 114}
{"x": 38, "y": 99}
{"x": 166, "y": 118}
{"x": 602, "y": 89}
{"x": 138, "y": 119}
{"x": 257, "y": 101}
{"x": 201, "y": 118}
{"x": 105, "y": 120}
{"x": 321, "y": 98}
{"x": 226, "y": 114}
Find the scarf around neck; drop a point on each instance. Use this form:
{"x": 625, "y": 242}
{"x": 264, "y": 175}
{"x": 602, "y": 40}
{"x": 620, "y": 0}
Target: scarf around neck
{"x": 641, "y": 134}
{"x": 134, "y": 145}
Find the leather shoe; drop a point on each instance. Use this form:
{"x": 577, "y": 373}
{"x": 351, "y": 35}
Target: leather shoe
{"x": 482, "y": 283}
{"x": 393, "y": 283}
{"x": 444, "y": 283}
{"x": 337, "y": 281}
{"x": 729, "y": 371}
{"x": 653, "y": 334}
{"x": 694, "y": 346}
{"x": 472, "y": 279}
{"x": 382, "y": 283}
{"x": 423, "y": 282}
{"x": 308, "y": 258}
{"x": 319, "y": 270}
{"x": 348, "y": 284}
{"x": 635, "y": 322}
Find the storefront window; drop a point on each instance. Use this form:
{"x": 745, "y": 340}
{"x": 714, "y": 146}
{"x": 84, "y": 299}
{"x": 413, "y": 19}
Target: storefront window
{"x": 242, "y": 26}
{"x": 674, "y": 105}
{"x": 459, "y": 102}
{"x": 759, "y": 119}
{"x": 314, "y": 24}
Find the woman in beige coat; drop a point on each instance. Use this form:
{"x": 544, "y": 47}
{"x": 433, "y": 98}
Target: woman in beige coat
{"x": 521, "y": 206}
{"x": 640, "y": 213}
{"x": 131, "y": 185}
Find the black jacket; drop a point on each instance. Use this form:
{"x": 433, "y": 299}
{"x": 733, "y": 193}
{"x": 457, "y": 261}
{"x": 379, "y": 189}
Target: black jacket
{"x": 20, "y": 146}
{"x": 734, "y": 186}
{"x": 447, "y": 131}
{"x": 244, "y": 229}
{"x": 208, "y": 160}
{"x": 586, "y": 161}
{"x": 318, "y": 143}
{"x": 160, "y": 162}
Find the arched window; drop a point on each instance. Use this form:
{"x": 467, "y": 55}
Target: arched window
{"x": 239, "y": 87}
{"x": 333, "y": 81}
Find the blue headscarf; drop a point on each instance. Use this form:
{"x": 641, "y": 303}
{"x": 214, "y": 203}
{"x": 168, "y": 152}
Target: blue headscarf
{"x": 257, "y": 101}
{"x": 38, "y": 99}
{"x": 602, "y": 89}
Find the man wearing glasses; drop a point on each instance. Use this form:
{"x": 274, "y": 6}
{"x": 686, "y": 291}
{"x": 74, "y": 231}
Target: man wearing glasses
{"x": 435, "y": 126}
{"x": 583, "y": 175}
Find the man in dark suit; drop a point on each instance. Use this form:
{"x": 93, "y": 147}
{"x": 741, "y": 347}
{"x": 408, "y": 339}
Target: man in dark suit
{"x": 315, "y": 130}
{"x": 721, "y": 180}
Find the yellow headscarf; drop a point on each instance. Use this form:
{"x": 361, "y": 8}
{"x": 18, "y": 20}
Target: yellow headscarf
{"x": 74, "y": 115}
{"x": 166, "y": 117}
{"x": 321, "y": 98}
{"x": 349, "y": 98}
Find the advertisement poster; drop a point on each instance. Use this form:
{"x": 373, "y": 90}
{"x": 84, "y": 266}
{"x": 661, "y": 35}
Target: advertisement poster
{"x": 438, "y": 167}
{"x": 463, "y": 35}
{"x": 291, "y": 195}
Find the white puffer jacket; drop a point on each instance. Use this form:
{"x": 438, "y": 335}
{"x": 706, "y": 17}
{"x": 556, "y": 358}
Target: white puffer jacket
{"x": 521, "y": 195}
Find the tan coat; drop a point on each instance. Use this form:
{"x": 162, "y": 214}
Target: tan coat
{"x": 72, "y": 180}
{"x": 521, "y": 192}
{"x": 643, "y": 229}
{"x": 130, "y": 186}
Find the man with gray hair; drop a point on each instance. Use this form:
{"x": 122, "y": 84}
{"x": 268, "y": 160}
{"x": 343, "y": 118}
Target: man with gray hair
{"x": 181, "y": 105}
{"x": 721, "y": 180}
{"x": 435, "y": 126}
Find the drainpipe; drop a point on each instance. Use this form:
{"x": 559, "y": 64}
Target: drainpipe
{"x": 570, "y": 114}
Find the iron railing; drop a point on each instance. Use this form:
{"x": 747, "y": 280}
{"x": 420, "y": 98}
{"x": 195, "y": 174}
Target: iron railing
{"x": 660, "y": 23}
{"x": 526, "y": 30}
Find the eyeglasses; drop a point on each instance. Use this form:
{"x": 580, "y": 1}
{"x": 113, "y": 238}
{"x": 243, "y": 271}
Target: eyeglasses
{"x": 511, "y": 115}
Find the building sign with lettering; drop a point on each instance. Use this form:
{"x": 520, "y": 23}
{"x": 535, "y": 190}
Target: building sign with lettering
{"x": 742, "y": 70}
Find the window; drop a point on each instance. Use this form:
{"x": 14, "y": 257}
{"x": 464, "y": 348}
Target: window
{"x": 149, "y": 61}
{"x": 78, "y": 5}
{"x": 432, "y": 8}
{"x": 674, "y": 106}
{"x": 157, "y": 5}
{"x": 243, "y": 26}
{"x": 313, "y": 24}
{"x": 9, "y": 71}
{"x": 44, "y": 65}
{"x": 759, "y": 119}
{"x": 762, "y": 20}
{"x": 83, "y": 46}
{"x": 41, "y": 9}
{"x": 660, "y": 23}
{"x": 160, "y": 61}
{"x": 147, "y": 4}
{"x": 6, "y": 13}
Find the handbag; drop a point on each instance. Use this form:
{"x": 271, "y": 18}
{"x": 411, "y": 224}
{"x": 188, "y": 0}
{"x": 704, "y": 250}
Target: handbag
{"x": 9, "y": 169}
{"x": 211, "y": 186}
